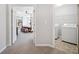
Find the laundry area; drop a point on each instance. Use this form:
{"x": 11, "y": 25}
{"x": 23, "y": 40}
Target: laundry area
{"x": 66, "y": 30}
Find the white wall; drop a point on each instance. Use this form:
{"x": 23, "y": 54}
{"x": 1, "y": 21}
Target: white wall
{"x": 43, "y": 25}
{"x": 66, "y": 14}
{"x": 2, "y": 27}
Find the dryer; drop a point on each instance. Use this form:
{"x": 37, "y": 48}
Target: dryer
{"x": 70, "y": 33}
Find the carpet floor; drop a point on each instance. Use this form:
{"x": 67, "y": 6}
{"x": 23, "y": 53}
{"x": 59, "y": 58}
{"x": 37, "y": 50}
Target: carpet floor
{"x": 25, "y": 45}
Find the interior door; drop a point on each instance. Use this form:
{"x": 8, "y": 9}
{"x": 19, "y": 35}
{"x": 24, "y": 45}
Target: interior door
{"x": 43, "y": 25}
{"x": 13, "y": 26}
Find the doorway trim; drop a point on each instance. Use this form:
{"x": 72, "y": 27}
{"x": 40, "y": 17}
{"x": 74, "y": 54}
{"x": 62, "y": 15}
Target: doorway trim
{"x": 11, "y": 21}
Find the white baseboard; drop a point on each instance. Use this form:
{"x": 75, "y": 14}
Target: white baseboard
{"x": 48, "y": 45}
{"x": 8, "y": 45}
{"x": 2, "y": 49}
{"x": 41, "y": 44}
{"x": 52, "y": 46}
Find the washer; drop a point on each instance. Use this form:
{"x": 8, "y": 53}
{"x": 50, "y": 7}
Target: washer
{"x": 69, "y": 33}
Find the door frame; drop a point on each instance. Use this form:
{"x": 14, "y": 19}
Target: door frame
{"x": 11, "y": 22}
{"x": 53, "y": 27}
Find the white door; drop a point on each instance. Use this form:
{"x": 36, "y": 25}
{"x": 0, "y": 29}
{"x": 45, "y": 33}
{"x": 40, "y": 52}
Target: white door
{"x": 13, "y": 27}
{"x": 43, "y": 14}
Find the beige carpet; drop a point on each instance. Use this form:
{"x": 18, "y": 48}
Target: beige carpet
{"x": 24, "y": 45}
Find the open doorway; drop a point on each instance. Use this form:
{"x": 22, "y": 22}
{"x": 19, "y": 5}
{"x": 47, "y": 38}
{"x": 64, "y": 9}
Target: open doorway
{"x": 65, "y": 26}
{"x": 23, "y": 28}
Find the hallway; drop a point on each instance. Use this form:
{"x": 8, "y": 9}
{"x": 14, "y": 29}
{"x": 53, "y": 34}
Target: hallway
{"x": 26, "y": 46}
